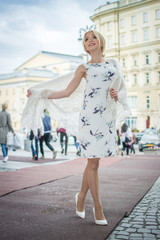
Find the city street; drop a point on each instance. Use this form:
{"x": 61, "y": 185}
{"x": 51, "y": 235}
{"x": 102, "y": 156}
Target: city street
{"x": 37, "y": 200}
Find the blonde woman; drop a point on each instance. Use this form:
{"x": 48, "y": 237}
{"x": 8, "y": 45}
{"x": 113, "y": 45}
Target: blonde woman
{"x": 97, "y": 121}
{"x": 5, "y": 127}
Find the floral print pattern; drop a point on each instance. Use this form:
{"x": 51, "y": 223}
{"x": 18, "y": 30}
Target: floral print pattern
{"x": 97, "y": 136}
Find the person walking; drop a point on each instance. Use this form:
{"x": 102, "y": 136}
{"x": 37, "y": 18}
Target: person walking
{"x": 5, "y": 127}
{"x": 34, "y": 144}
{"x": 133, "y": 142}
{"x": 63, "y": 135}
{"x": 47, "y": 135}
{"x": 126, "y": 138}
{"x": 123, "y": 136}
{"x": 97, "y": 120}
{"x": 77, "y": 146}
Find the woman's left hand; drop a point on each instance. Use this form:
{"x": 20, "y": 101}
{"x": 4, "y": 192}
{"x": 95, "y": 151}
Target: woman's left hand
{"x": 114, "y": 94}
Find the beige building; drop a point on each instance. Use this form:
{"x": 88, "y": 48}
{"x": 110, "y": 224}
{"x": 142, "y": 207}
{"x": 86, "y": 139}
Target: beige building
{"x": 42, "y": 67}
{"x": 132, "y": 33}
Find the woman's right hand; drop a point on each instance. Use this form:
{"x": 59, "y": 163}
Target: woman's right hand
{"x": 28, "y": 93}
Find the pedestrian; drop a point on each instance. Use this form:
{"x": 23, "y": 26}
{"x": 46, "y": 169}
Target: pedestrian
{"x": 126, "y": 138}
{"x": 123, "y": 136}
{"x": 76, "y": 143}
{"x": 46, "y": 137}
{"x": 63, "y": 137}
{"x": 97, "y": 120}
{"x": 5, "y": 127}
{"x": 34, "y": 144}
{"x": 133, "y": 142}
{"x": 118, "y": 140}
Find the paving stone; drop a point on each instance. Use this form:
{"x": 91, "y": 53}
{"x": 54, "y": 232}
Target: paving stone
{"x": 121, "y": 237}
{"x": 156, "y": 232}
{"x": 119, "y": 228}
{"x": 147, "y": 235}
{"x": 137, "y": 226}
{"x": 126, "y": 225}
{"x": 136, "y": 235}
{"x": 123, "y": 233}
{"x": 144, "y": 230}
{"x": 135, "y": 238}
{"x": 151, "y": 227}
{"x": 131, "y": 230}
{"x": 151, "y": 223}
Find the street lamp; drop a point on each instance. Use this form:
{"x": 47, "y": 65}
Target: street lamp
{"x": 85, "y": 30}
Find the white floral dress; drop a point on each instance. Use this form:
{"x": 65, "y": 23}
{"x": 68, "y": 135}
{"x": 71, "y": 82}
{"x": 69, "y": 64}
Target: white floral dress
{"x": 97, "y": 135}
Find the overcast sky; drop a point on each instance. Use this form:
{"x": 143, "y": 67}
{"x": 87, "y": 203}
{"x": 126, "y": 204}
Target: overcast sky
{"x": 29, "y": 26}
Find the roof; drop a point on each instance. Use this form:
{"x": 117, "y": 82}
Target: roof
{"x": 69, "y": 58}
{"x": 28, "y": 73}
{"x": 63, "y": 56}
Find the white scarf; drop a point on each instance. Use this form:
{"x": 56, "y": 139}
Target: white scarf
{"x": 69, "y": 108}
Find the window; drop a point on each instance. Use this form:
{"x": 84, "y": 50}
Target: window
{"x": 109, "y": 42}
{"x": 131, "y": 122}
{"x": 158, "y": 32}
{"x": 14, "y": 91}
{"x": 159, "y": 57}
{"x": 0, "y": 93}
{"x": 122, "y": 23}
{"x": 147, "y": 102}
{"x": 147, "y": 59}
{"x": 23, "y": 90}
{"x": 146, "y": 34}
{"x": 22, "y": 104}
{"x": 132, "y": 101}
{"x": 133, "y": 20}
{"x": 158, "y": 14}
{"x": 134, "y": 37}
{"x": 109, "y": 26}
{"x": 135, "y": 61}
{"x": 14, "y": 106}
{"x": 123, "y": 62}
{"x": 6, "y": 92}
{"x": 159, "y": 76}
{"x": 135, "y": 79}
{"x": 124, "y": 77}
{"x": 145, "y": 17}
{"x": 147, "y": 78}
{"x": 122, "y": 40}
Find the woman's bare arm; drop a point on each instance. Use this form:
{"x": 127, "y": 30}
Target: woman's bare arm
{"x": 79, "y": 74}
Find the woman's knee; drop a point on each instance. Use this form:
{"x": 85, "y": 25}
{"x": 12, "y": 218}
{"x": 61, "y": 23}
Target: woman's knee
{"x": 93, "y": 163}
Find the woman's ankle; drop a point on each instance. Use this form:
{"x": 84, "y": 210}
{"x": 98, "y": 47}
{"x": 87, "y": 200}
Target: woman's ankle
{"x": 81, "y": 199}
{"x": 99, "y": 211}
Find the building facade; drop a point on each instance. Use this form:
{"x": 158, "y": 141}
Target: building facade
{"x": 132, "y": 33}
{"x": 42, "y": 67}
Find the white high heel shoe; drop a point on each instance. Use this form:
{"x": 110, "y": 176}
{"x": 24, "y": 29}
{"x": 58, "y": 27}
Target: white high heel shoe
{"x": 99, "y": 222}
{"x": 80, "y": 214}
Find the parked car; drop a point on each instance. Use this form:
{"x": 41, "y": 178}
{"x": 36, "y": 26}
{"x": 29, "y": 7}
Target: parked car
{"x": 149, "y": 140}
{"x": 138, "y": 136}
{"x": 151, "y": 131}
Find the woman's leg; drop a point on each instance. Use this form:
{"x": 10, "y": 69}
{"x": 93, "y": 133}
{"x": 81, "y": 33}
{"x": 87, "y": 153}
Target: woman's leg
{"x": 4, "y": 150}
{"x": 127, "y": 150}
{"x": 66, "y": 143}
{"x": 84, "y": 190}
{"x": 91, "y": 181}
{"x": 61, "y": 142}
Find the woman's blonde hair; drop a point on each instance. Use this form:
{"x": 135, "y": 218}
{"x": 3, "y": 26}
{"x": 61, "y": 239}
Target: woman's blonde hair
{"x": 100, "y": 38}
{"x": 4, "y": 106}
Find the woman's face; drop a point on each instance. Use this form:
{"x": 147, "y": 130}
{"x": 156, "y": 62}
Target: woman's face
{"x": 91, "y": 42}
